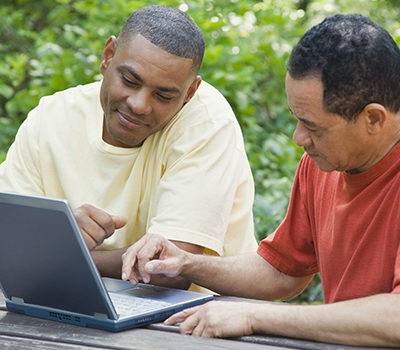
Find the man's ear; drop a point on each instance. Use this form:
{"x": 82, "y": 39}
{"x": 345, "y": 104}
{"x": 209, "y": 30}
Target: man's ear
{"x": 108, "y": 53}
{"x": 375, "y": 116}
{"x": 192, "y": 88}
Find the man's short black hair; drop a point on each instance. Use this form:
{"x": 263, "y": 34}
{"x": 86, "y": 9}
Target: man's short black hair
{"x": 169, "y": 29}
{"x": 357, "y": 61}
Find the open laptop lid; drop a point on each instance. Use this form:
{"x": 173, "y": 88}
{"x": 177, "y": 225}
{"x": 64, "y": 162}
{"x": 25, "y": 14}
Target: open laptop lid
{"x": 34, "y": 231}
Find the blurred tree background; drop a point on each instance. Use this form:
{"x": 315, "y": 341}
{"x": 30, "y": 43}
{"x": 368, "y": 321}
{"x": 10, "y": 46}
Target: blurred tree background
{"x": 51, "y": 45}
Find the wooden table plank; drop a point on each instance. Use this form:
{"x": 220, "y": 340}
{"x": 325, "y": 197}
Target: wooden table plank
{"x": 15, "y": 325}
{"x": 277, "y": 341}
{"x": 147, "y": 335}
{"x": 13, "y": 343}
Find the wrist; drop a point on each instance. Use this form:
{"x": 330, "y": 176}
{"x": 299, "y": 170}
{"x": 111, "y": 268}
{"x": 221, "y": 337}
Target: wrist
{"x": 188, "y": 265}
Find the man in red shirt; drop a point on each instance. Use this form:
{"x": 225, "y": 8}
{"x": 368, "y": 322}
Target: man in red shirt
{"x": 343, "y": 220}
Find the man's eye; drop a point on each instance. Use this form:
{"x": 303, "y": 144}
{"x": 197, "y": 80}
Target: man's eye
{"x": 314, "y": 132}
{"x": 128, "y": 81}
{"x": 310, "y": 129}
{"x": 164, "y": 98}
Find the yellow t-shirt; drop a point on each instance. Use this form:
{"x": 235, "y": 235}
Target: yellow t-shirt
{"x": 190, "y": 181}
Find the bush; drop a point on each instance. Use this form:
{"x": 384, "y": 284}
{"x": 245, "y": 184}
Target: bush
{"x": 55, "y": 44}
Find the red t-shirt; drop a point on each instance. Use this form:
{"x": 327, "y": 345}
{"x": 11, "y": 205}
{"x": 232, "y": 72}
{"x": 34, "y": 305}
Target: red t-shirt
{"x": 345, "y": 226}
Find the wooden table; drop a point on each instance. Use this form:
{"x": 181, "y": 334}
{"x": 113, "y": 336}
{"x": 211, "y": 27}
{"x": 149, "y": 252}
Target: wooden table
{"x": 24, "y": 332}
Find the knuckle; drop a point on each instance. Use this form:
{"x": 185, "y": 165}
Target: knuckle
{"x": 108, "y": 225}
{"x": 99, "y": 241}
{"x": 141, "y": 255}
{"x": 184, "y": 329}
{"x": 84, "y": 208}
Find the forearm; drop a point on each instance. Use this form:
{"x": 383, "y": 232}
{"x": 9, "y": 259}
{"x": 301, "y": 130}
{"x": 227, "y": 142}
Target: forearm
{"x": 108, "y": 262}
{"x": 155, "y": 255}
{"x": 233, "y": 276}
{"x": 370, "y": 321}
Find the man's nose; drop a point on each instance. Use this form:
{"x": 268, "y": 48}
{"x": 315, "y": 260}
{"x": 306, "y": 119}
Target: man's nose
{"x": 301, "y": 136}
{"x": 140, "y": 102}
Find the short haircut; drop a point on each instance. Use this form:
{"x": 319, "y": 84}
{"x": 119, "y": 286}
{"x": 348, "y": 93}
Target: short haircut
{"x": 357, "y": 61}
{"x": 169, "y": 29}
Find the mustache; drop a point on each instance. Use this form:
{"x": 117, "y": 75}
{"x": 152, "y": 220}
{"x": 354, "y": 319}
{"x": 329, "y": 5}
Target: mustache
{"x": 131, "y": 114}
{"x": 310, "y": 151}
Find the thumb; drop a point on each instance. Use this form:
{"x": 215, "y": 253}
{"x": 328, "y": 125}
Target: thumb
{"x": 119, "y": 221}
{"x": 162, "y": 267}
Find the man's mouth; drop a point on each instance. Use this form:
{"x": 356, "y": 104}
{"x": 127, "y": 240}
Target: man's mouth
{"x": 310, "y": 153}
{"x": 128, "y": 121}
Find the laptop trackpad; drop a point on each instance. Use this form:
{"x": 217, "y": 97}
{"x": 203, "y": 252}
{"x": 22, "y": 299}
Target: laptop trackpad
{"x": 143, "y": 292}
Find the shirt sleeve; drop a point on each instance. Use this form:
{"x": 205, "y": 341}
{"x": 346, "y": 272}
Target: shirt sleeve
{"x": 203, "y": 168}
{"x": 290, "y": 248}
{"x": 20, "y": 171}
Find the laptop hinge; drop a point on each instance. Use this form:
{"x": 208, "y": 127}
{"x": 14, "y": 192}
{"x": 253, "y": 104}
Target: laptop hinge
{"x": 100, "y": 316}
{"x": 17, "y": 300}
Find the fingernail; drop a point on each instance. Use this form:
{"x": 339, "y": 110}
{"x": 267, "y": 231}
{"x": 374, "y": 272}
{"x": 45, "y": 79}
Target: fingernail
{"x": 124, "y": 276}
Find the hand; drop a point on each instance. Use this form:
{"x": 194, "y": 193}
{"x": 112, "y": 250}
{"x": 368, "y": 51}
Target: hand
{"x": 152, "y": 254}
{"x": 216, "y": 319}
{"x": 96, "y": 225}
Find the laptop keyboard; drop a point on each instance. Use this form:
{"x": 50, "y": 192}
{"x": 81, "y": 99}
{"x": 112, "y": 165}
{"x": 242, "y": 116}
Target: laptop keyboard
{"x": 128, "y": 305}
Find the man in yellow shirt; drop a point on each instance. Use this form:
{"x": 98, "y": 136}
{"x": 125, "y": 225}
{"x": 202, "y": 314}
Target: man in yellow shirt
{"x": 150, "y": 149}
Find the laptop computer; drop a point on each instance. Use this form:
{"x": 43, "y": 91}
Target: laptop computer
{"x": 47, "y": 271}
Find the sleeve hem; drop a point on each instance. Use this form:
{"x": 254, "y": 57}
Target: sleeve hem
{"x": 188, "y": 236}
{"x": 276, "y": 260}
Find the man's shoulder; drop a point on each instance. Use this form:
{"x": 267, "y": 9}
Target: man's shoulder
{"x": 86, "y": 91}
{"x": 207, "y": 88}
{"x": 74, "y": 104}
{"x": 207, "y": 116}
{"x": 208, "y": 105}
{"x": 210, "y": 96}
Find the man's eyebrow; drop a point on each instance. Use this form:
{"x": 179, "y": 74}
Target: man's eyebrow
{"x": 304, "y": 121}
{"x": 308, "y": 123}
{"x": 140, "y": 79}
{"x": 131, "y": 72}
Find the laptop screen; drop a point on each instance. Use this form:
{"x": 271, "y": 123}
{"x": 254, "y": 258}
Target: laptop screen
{"x": 41, "y": 261}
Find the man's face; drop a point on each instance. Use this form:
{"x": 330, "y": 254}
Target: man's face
{"x": 142, "y": 89}
{"x": 330, "y": 141}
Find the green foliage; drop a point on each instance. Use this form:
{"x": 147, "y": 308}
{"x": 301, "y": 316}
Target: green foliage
{"x": 50, "y": 45}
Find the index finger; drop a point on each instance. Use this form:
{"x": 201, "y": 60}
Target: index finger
{"x": 181, "y": 316}
{"x": 128, "y": 262}
{"x": 139, "y": 254}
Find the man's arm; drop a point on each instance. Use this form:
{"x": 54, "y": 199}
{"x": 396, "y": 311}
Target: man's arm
{"x": 109, "y": 264}
{"x": 96, "y": 225}
{"x": 155, "y": 255}
{"x": 368, "y": 321}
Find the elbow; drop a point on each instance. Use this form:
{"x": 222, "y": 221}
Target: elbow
{"x": 294, "y": 291}
{"x": 289, "y": 287}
